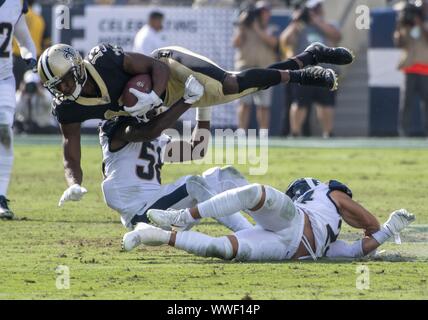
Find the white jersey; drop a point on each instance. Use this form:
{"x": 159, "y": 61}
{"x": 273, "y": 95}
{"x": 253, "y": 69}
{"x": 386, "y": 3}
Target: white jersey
{"x": 145, "y": 157}
{"x": 10, "y": 12}
{"x": 323, "y": 215}
{"x": 132, "y": 175}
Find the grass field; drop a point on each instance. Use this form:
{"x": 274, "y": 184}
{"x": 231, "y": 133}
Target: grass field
{"x": 86, "y": 236}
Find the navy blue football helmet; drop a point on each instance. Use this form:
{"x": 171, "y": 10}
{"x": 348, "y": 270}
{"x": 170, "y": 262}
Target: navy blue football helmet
{"x": 300, "y": 186}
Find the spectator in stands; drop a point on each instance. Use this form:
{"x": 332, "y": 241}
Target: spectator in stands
{"x": 256, "y": 47}
{"x": 308, "y": 26}
{"x": 411, "y": 35}
{"x": 33, "y": 107}
{"x": 150, "y": 37}
{"x": 36, "y": 25}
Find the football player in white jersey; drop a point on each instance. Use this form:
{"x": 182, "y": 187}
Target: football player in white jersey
{"x": 303, "y": 222}
{"x": 12, "y": 23}
{"x": 132, "y": 163}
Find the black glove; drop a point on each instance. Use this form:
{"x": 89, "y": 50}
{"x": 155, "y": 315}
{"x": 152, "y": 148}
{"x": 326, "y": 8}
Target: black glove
{"x": 31, "y": 64}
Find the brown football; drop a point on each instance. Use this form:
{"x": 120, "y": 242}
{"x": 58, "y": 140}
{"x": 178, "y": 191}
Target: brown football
{"x": 141, "y": 82}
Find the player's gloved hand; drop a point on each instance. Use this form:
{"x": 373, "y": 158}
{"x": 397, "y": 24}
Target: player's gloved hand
{"x": 145, "y": 103}
{"x": 73, "y": 193}
{"x": 32, "y": 64}
{"x": 193, "y": 90}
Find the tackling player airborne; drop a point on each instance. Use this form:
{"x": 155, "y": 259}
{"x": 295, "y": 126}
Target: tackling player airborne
{"x": 91, "y": 88}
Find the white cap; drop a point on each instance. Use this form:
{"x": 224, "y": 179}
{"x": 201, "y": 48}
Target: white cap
{"x": 30, "y": 76}
{"x": 313, "y": 3}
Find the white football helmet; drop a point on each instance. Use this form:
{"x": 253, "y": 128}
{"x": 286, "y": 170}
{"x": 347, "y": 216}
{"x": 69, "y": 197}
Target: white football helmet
{"x": 55, "y": 63}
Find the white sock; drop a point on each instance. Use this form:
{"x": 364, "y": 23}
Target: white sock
{"x": 6, "y": 163}
{"x": 235, "y": 222}
{"x": 231, "y": 201}
{"x": 203, "y": 245}
{"x": 165, "y": 236}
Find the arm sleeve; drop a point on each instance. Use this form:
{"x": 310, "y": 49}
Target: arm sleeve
{"x": 342, "y": 249}
{"x": 26, "y": 44}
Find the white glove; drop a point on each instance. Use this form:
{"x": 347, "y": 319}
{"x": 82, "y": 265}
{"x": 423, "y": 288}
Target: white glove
{"x": 73, "y": 193}
{"x": 145, "y": 103}
{"x": 193, "y": 90}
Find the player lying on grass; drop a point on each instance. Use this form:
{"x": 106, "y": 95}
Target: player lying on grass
{"x": 303, "y": 222}
{"x": 132, "y": 164}
{"x": 92, "y": 88}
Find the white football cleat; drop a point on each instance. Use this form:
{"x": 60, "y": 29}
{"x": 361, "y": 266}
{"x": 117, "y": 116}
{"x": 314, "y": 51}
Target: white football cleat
{"x": 144, "y": 234}
{"x": 168, "y": 218}
{"x": 398, "y": 221}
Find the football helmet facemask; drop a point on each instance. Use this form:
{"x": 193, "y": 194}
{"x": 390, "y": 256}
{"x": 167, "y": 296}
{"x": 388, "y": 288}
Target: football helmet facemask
{"x": 299, "y": 186}
{"x": 58, "y": 62}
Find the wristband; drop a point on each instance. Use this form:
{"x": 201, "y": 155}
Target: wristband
{"x": 203, "y": 114}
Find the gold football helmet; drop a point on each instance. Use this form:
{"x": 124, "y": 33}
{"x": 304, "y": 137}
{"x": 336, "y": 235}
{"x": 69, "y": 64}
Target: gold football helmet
{"x": 57, "y": 62}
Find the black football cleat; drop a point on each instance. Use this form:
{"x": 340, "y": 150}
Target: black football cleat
{"x": 319, "y": 77}
{"x": 324, "y": 54}
{"x": 5, "y": 212}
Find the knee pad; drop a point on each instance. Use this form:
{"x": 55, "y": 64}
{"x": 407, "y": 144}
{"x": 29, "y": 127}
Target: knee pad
{"x": 250, "y": 195}
{"x": 5, "y": 135}
{"x": 220, "y": 248}
{"x": 278, "y": 202}
{"x": 198, "y": 189}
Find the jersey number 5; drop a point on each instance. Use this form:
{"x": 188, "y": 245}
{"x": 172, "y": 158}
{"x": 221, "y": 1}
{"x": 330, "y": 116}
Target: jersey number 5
{"x": 153, "y": 166}
{"x": 6, "y": 32}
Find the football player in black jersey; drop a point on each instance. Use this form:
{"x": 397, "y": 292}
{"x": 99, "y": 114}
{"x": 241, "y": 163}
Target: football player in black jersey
{"x": 91, "y": 88}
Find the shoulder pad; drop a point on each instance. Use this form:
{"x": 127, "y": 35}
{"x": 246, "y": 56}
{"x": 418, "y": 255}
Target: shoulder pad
{"x": 118, "y": 50}
{"x": 109, "y": 47}
{"x": 106, "y": 52}
{"x": 338, "y": 186}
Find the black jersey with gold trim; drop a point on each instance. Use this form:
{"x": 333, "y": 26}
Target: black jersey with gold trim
{"x": 104, "y": 64}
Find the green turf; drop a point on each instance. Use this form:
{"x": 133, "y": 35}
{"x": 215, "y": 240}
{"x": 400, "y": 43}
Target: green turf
{"x": 86, "y": 236}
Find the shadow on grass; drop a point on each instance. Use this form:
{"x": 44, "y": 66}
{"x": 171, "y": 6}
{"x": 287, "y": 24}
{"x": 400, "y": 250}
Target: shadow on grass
{"x": 185, "y": 259}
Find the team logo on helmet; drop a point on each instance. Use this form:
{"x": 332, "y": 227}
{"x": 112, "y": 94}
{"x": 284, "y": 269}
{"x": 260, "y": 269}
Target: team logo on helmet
{"x": 68, "y": 52}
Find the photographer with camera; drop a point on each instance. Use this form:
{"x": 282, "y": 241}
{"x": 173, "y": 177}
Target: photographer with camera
{"x": 256, "y": 47}
{"x": 307, "y": 26}
{"x": 33, "y": 107}
{"x": 411, "y": 35}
